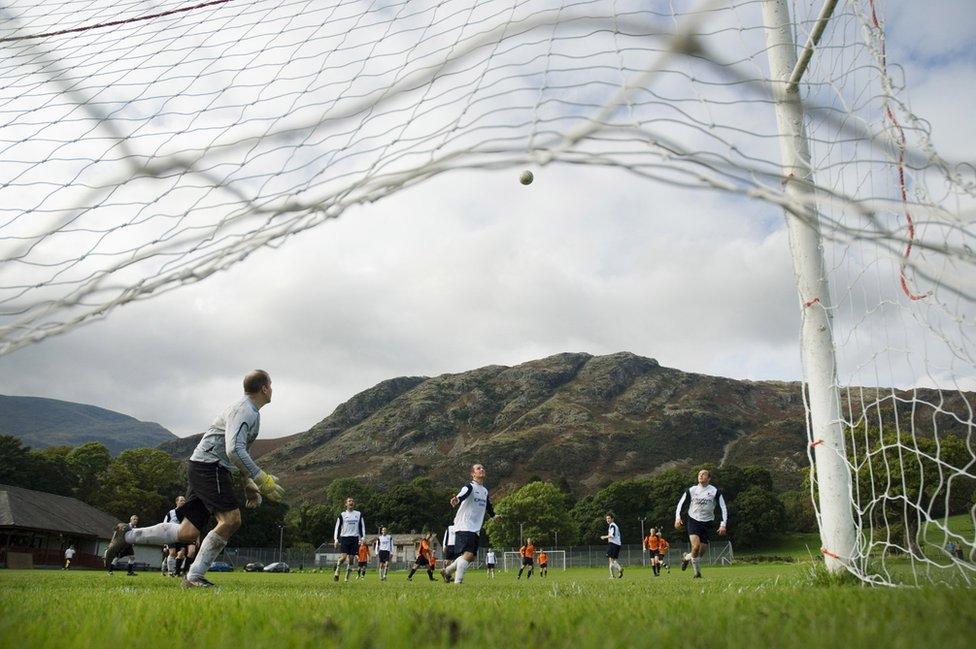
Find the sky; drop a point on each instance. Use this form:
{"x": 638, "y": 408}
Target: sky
{"x": 469, "y": 268}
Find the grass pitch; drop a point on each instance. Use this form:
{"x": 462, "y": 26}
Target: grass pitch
{"x": 778, "y": 605}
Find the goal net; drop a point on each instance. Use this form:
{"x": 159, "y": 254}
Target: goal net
{"x": 149, "y": 145}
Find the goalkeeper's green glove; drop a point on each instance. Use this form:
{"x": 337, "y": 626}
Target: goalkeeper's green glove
{"x": 268, "y": 486}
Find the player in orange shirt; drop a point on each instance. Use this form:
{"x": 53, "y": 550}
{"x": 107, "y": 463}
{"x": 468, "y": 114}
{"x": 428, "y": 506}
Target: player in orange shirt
{"x": 527, "y": 552}
{"x": 425, "y": 557}
{"x": 651, "y": 544}
{"x": 662, "y": 553}
{"x": 543, "y": 563}
{"x": 363, "y": 556}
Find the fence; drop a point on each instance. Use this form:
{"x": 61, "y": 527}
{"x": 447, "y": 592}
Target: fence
{"x": 577, "y": 556}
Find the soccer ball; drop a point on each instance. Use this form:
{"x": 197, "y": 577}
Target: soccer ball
{"x": 526, "y": 177}
{"x": 687, "y": 556}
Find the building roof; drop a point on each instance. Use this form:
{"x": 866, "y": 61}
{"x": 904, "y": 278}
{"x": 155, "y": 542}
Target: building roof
{"x": 36, "y": 510}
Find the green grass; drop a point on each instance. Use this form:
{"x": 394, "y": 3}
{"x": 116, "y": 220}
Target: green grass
{"x": 743, "y": 606}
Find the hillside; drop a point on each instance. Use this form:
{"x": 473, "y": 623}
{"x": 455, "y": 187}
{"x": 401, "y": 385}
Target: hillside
{"x": 586, "y": 419}
{"x": 40, "y": 422}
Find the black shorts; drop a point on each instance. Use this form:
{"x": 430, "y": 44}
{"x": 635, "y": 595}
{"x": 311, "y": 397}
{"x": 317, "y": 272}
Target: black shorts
{"x": 449, "y": 553}
{"x": 701, "y": 529}
{"x": 349, "y": 545}
{"x": 661, "y": 555}
{"x": 613, "y": 550}
{"x": 127, "y": 552}
{"x": 527, "y": 561}
{"x": 466, "y": 542}
{"x": 490, "y": 566}
{"x": 210, "y": 489}
{"x": 422, "y": 561}
{"x": 384, "y": 556}
{"x": 544, "y": 565}
{"x": 362, "y": 564}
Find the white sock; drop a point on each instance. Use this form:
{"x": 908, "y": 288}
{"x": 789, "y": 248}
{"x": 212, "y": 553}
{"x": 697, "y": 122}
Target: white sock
{"x": 460, "y": 565}
{"x": 451, "y": 567}
{"x": 696, "y": 564}
{"x": 209, "y": 549}
{"x": 617, "y": 566}
{"x": 159, "y": 534}
{"x": 171, "y": 565}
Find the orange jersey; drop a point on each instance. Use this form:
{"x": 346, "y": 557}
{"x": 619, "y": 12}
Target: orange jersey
{"x": 543, "y": 557}
{"x": 662, "y": 546}
{"x": 363, "y": 553}
{"x": 424, "y": 550}
{"x": 651, "y": 542}
{"x": 527, "y": 551}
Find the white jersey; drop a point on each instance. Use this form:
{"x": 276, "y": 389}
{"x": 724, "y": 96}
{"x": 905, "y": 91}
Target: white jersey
{"x": 384, "y": 543}
{"x": 613, "y": 534}
{"x": 701, "y": 503}
{"x": 229, "y": 436}
{"x": 490, "y": 557}
{"x": 448, "y": 537}
{"x": 171, "y": 517}
{"x": 474, "y": 505}
{"x": 350, "y": 524}
{"x": 69, "y": 553}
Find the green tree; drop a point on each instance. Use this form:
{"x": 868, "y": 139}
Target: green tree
{"x": 52, "y": 472}
{"x": 15, "y": 462}
{"x": 798, "y": 508}
{"x": 261, "y": 527}
{"x": 759, "y": 518}
{"x": 87, "y": 462}
{"x": 141, "y": 481}
{"x": 313, "y": 524}
{"x": 413, "y": 507}
{"x": 541, "y": 508}
{"x": 627, "y": 500}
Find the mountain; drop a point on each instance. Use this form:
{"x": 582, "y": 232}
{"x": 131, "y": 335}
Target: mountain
{"x": 584, "y": 419}
{"x": 40, "y": 423}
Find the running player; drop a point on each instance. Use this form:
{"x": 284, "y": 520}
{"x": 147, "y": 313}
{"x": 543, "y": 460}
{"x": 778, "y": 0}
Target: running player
{"x": 221, "y": 452}
{"x": 176, "y": 552}
{"x": 126, "y": 551}
{"x": 702, "y": 499}
{"x": 527, "y": 552}
{"x": 662, "y": 553}
{"x": 543, "y": 563}
{"x": 384, "y": 550}
{"x": 651, "y": 543}
{"x": 363, "y": 556}
{"x": 612, "y": 537}
{"x": 350, "y": 528}
{"x": 448, "y": 545}
{"x": 472, "y": 504}
{"x": 425, "y": 557}
{"x": 69, "y": 554}
{"x": 490, "y": 563}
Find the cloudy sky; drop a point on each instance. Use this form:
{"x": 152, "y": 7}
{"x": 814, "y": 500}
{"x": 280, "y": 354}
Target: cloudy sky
{"x": 470, "y": 268}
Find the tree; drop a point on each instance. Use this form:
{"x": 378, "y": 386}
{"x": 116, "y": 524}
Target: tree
{"x": 627, "y": 500}
{"x": 798, "y": 508}
{"x": 87, "y": 462}
{"x": 759, "y": 517}
{"x": 261, "y": 527}
{"x": 312, "y": 524}
{"x": 52, "y": 472}
{"x": 413, "y": 507}
{"x": 15, "y": 462}
{"x": 542, "y": 509}
{"x": 141, "y": 481}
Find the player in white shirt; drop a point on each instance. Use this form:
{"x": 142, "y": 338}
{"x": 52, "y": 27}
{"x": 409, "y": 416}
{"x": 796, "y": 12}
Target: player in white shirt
{"x": 177, "y": 552}
{"x": 472, "y": 504}
{"x": 69, "y": 554}
{"x": 490, "y": 563}
{"x": 448, "y": 545}
{"x": 220, "y": 454}
{"x": 384, "y": 550}
{"x": 612, "y": 537}
{"x": 350, "y": 529}
{"x": 702, "y": 499}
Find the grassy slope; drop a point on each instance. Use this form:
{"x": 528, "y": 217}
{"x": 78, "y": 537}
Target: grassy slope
{"x": 755, "y": 606}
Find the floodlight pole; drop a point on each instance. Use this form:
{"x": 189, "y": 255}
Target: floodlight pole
{"x": 833, "y": 476}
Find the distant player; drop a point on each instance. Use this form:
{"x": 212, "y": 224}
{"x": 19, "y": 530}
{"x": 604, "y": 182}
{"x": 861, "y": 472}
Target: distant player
{"x": 221, "y": 452}
{"x": 612, "y": 537}
{"x": 662, "y": 553}
{"x": 527, "y": 553}
{"x": 448, "y": 544}
{"x": 702, "y": 499}
{"x": 176, "y": 552}
{"x": 126, "y": 551}
{"x": 490, "y": 563}
{"x": 543, "y": 563}
{"x": 363, "y": 556}
{"x": 384, "y": 550}
{"x": 472, "y": 504}
{"x": 69, "y": 554}
{"x": 425, "y": 557}
{"x": 651, "y": 543}
{"x": 350, "y": 529}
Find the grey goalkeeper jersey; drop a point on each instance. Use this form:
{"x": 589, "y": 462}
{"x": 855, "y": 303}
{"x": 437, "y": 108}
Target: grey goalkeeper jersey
{"x": 229, "y": 436}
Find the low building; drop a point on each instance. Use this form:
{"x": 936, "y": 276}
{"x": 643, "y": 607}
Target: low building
{"x": 36, "y": 528}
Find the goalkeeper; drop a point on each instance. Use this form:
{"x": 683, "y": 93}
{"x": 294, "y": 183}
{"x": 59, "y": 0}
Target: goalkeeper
{"x": 223, "y": 450}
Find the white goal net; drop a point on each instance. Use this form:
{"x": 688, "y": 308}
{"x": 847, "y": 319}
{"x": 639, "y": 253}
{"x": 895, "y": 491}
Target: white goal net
{"x": 149, "y": 145}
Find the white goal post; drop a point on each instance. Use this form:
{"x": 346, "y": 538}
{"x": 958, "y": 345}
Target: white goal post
{"x": 513, "y": 560}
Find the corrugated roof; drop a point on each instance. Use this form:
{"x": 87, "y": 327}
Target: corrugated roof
{"x": 43, "y": 511}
